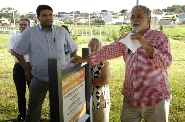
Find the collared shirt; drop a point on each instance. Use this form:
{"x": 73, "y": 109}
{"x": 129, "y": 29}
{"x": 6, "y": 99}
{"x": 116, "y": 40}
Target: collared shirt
{"x": 13, "y": 40}
{"x": 42, "y": 45}
{"x": 146, "y": 79}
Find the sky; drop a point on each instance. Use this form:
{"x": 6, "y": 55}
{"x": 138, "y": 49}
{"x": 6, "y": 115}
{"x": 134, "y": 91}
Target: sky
{"x": 25, "y": 6}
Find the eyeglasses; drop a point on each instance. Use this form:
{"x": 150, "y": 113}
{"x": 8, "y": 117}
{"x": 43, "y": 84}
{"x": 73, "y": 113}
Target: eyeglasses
{"x": 23, "y": 25}
{"x": 137, "y": 17}
{"x": 95, "y": 45}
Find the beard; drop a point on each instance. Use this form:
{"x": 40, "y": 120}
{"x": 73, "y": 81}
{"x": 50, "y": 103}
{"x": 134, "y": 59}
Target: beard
{"x": 136, "y": 28}
{"x": 47, "y": 24}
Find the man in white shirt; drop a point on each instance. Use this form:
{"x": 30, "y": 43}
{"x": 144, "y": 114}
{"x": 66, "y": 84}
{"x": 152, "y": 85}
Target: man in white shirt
{"x": 19, "y": 72}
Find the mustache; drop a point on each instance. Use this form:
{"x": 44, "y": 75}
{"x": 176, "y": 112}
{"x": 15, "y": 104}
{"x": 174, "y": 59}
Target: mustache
{"x": 135, "y": 23}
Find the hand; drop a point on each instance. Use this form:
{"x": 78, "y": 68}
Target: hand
{"x": 139, "y": 38}
{"x": 143, "y": 42}
{"x": 28, "y": 75}
{"x": 79, "y": 59}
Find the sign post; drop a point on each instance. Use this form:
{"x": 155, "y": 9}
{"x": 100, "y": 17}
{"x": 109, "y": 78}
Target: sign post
{"x": 70, "y": 91}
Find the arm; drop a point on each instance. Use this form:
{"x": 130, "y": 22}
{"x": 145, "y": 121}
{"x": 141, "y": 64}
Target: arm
{"x": 11, "y": 44}
{"x": 160, "y": 54}
{"x": 11, "y": 51}
{"x": 80, "y": 59}
{"x": 73, "y": 53}
{"x": 104, "y": 76}
{"x": 144, "y": 44}
{"x": 149, "y": 50}
{"x": 26, "y": 67}
{"x": 107, "y": 52}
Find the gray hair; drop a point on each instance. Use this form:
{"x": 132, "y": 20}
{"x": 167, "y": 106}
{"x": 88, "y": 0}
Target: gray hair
{"x": 144, "y": 8}
{"x": 94, "y": 38}
{"x": 26, "y": 19}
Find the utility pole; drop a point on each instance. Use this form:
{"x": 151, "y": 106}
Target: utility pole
{"x": 73, "y": 22}
{"x": 13, "y": 20}
{"x": 73, "y": 19}
{"x": 90, "y": 32}
{"x": 137, "y": 2}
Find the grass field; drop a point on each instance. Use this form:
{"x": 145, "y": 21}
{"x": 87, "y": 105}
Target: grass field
{"x": 8, "y": 99}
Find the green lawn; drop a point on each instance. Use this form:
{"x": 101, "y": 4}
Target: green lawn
{"x": 8, "y": 99}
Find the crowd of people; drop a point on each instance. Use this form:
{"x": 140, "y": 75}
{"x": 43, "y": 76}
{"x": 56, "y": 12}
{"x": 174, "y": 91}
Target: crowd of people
{"x": 146, "y": 91}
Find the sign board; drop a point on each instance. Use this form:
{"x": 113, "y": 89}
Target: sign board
{"x": 70, "y": 92}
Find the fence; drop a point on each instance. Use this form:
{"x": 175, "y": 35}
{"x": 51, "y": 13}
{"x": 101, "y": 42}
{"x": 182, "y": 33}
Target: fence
{"x": 8, "y": 31}
{"x": 4, "y": 30}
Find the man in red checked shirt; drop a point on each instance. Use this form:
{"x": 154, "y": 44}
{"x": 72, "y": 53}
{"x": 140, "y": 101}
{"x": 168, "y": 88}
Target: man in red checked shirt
{"x": 146, "y": 86}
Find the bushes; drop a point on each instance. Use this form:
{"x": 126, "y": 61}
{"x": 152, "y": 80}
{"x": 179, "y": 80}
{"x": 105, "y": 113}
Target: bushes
{"x": 74, "y": 37}
{"x": 176, "y": 33}
{"x": 161, "y": 27}
{"x": 113, "y": 36}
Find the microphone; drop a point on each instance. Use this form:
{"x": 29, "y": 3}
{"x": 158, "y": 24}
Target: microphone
{"x": 133, "y": 31}
{"x": 129, "y": 51}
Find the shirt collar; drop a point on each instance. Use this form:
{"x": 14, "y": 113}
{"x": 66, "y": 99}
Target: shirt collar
{"x": 147, "y": 32}
{"x": 41, "y": 28}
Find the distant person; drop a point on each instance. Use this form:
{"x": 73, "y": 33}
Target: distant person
{"x": 146, "y": 87}
{"x": 66, "y": 27}
{"x": 67, "y": 52}
{"x": 19, "y": 77}
{"x": 42, "y": 42}
{"x": 100, "y": 90}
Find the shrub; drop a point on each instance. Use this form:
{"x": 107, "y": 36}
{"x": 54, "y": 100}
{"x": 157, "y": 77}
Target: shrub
{"x": 75, "y": 37}
{"x": 161, "y": 27}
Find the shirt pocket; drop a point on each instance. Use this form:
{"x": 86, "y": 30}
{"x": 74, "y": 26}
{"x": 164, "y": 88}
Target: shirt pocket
{"x": 59, "y": 49}
{"x": 59, "y": 46}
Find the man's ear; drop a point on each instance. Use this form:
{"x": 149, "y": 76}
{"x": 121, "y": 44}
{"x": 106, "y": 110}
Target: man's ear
{"x": 38, "y": 17}
{"x": 148, "y": 20}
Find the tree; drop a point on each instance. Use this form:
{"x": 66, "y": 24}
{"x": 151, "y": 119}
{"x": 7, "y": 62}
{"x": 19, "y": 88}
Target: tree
{"x": 11, "y": 13}
{"x": 123, "y": 11}
{"x": 31, "y": 16}
{"x": 175, "y": 8}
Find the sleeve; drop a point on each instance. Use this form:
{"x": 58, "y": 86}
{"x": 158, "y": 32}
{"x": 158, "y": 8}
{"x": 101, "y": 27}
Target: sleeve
{"x": 22, "y": 45}
{"x": 11, "y": 43}
{"x": 70, "y": 43}
{"x": 114, "y": 50}
{"x": 162, "y": 52}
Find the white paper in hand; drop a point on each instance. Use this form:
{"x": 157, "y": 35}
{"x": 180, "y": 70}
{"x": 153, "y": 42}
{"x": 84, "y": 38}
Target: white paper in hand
{"x": 133, "y": 45}
{"x": 70, "y": 64}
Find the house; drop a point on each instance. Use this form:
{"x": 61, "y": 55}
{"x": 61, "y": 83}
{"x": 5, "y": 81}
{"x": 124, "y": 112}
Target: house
{"x": 168, "y": 19}
{"x": 119, "y": 20}
{"x": 181, "y": 15}
{"x": 107, "y": 18}
{"x": 4, "y": 21}
{"x": 155, "y": 18}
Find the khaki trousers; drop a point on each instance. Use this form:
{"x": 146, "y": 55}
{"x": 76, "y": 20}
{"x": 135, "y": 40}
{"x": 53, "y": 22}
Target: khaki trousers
{"x": 155, "y": 113}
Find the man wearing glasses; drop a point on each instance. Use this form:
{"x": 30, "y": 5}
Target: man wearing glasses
{"x": 146, "y": 87}
{"x": 19, "y": 72}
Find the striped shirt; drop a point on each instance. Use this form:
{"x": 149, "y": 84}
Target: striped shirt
{"x": 146, "y": 79}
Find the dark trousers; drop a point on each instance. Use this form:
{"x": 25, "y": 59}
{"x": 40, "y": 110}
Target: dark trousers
{"x": 20, "y": 84}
